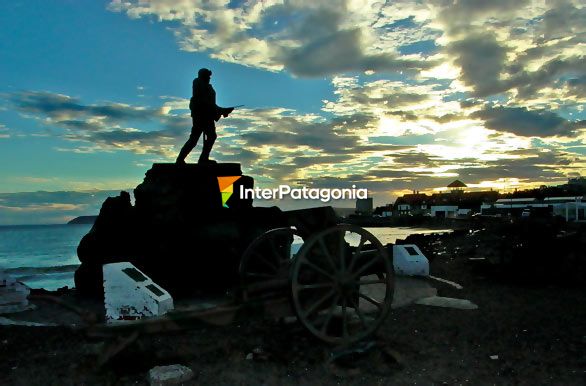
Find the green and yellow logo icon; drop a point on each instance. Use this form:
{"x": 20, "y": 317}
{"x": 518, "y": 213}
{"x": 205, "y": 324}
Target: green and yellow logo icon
{"x": 227, "y": 187}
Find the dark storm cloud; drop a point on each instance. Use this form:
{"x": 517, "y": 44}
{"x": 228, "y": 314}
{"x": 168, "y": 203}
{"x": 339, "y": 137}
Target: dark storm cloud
{"x": 414, "y": 159}
{"x": 528, "y": 123}
{"x": 562, "y": 20}
{"x": 482, "y": 60}
{"x": 127, "y": 137}
{"x": 243, "y": 156}
{"x": 302, "y": 162}
{"x": 530, "y": 83}
{"x": 57, "y": 106}
{"x": 320, "y": 140}
{"x": 465, "y": 12}
{"x": 535, "y": 166}
{"x": 473, "y": 26}
{"x": 103, "y": 125}
{"x": 343, "y": 52}
{"x": 364, "y": 96}
{"x": 577, "y": 87}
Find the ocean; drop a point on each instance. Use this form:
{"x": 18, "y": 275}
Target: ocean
{"x": 44, "y": 256}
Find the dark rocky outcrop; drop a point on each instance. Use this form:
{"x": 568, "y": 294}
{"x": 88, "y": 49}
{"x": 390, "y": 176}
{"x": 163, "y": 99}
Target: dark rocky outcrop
{"x": 177, "y": 232}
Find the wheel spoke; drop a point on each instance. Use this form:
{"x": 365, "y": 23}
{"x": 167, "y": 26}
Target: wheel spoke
{"x": 341, "y": 251}
{"x": 266, "y": 262}
{"x": 360, "y": 315}
{"x": 330, "y": 259}
{"x": 257, "y": 274}
{"x": 318, "y": 269}
{"x": 357, "y": 252}
{"x": 324, "y": 291}
{"x": 275, "y": 250}
{"x": 371, "y": 300}
{"x": 321, "y": 300}
{"x": 313, "y": 286}
{"x": 344, "y": 321}
{"x": 330, "y": 314}
{"x": 365, "y": 267}
{"x": 368, "y": 282}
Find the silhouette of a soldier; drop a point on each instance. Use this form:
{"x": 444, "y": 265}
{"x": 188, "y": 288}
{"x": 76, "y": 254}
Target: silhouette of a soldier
{"x": 204, "y": 114}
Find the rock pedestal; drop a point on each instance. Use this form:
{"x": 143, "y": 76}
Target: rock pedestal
{"x": 179, "y": 231}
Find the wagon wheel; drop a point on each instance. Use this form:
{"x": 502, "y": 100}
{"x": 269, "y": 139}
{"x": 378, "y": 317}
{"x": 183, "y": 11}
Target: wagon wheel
{"x": 342, "y": 293}
{"x": 264, "y": 267}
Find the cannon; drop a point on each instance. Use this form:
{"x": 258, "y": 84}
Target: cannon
{"x": 193, "y": 240}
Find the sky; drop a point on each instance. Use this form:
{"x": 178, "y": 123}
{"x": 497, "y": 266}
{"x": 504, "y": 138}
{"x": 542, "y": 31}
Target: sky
{"x": 392, "y": 96}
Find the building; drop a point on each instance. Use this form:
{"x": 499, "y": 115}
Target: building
{"x": 444, "y": 211}
{"x": 572, "y": 208}
{"x": 364, "y": 206}
{"x": 453, "y": 203}
{"x": 384, "y": 211}
{"x": 457, "y": 186}
{"x": 412, "y": 204}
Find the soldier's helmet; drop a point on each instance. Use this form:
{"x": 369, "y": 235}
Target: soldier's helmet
{"x": 204, "y": 73}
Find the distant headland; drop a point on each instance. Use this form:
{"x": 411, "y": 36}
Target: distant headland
{"x": 83, "y": 220}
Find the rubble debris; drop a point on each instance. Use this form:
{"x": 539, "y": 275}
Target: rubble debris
{"x": 439, "y": 301}
{"x": 169, "y": 375}
{"x": 367, "y": 356}
{"x": 11, "y": 322}
{"x": 410, "y": 289}
{"x": 453, "y": 284}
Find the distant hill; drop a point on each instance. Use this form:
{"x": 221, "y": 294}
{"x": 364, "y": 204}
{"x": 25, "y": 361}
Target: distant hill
{"x": 83, "y": 220}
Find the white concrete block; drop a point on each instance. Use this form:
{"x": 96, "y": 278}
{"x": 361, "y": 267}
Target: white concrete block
{"x": 13, "y": 295}
{"x": 409, "y": 261}
{"x": 129, "y": 294}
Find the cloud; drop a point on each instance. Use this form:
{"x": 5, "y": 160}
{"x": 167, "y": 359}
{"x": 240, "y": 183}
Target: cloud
{"x": 551, "y": 73}
{"x": 105, "y": 126}
{"x": 306, "y": 38}
{"x": 59, "y": 107}
{"x": 4, "y": 132}
{"x": 525, "y": 122}
{"x": 50, "y": 207}
{"x": 577, "y": 87}
{"x": 392, "y": 131}
{"x": 343, "y": 52}
{"x": 481, "y": 59}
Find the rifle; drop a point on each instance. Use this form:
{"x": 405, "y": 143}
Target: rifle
{"x": 225, "y": 111}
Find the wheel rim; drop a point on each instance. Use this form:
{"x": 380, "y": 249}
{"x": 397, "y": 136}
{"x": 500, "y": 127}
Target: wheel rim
{"x": 342, "y": 293}
{"x": 265, "y": 264}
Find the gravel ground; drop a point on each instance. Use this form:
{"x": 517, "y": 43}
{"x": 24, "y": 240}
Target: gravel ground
{"x": 530, "y": 334}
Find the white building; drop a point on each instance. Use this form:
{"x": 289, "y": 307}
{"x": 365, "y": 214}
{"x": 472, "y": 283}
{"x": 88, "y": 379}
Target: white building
{"x": 447, "y": 211}
{"x": 518, "y": 203}
{"x": 571, "y": 208}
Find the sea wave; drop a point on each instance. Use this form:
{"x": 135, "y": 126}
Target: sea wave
{"x": 20, "y": 271}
